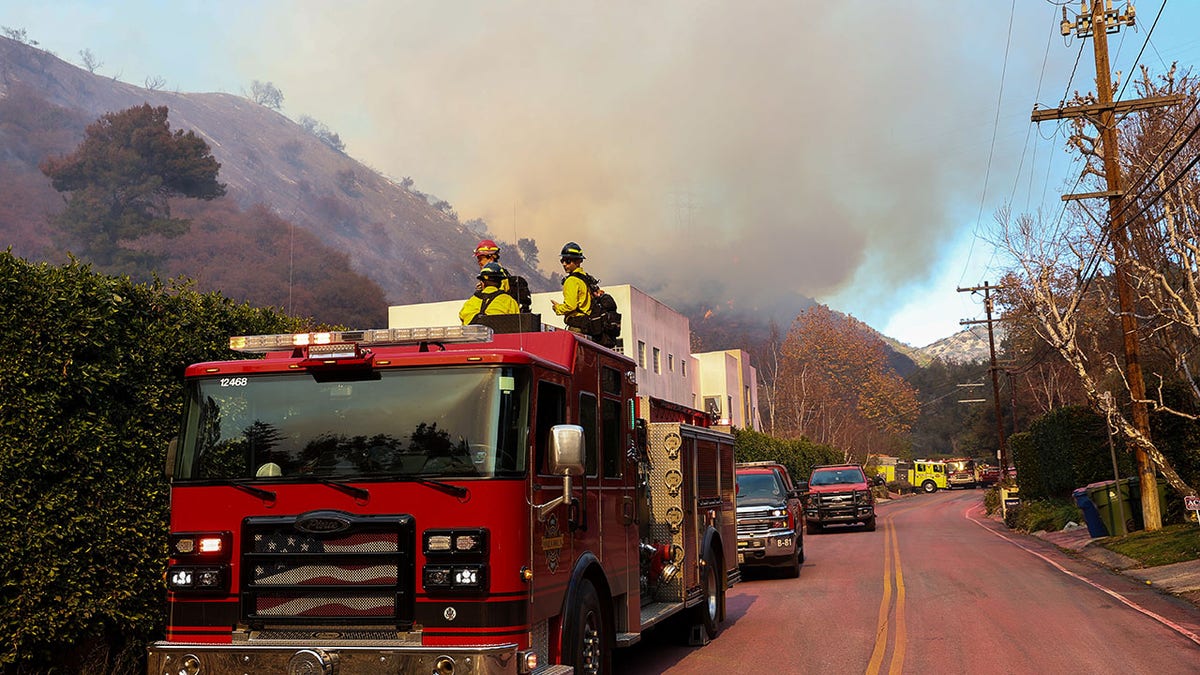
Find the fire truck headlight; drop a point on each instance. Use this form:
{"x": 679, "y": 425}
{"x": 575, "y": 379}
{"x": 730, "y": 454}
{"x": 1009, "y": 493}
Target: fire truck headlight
{"x": 180, "y": 579}
{"x": 210, "y": 579}
{"x": 455, "y": 578}
{"x": 456, "y": 560}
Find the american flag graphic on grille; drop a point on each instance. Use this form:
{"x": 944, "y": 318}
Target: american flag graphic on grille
{"x": 353, "y": 574}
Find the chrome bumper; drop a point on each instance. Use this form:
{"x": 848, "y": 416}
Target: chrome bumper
{"x": 168, "y": 658}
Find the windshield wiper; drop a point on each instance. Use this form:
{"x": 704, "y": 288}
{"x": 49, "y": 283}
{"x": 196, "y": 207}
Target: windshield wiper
{"x": 356, "y": 492}
{"x": 265, "y": 495}
{"x": 449, "y": 489}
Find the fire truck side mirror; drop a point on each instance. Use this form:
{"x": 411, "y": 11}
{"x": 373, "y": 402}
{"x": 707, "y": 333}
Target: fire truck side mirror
{"x": 567, "y": 450}
{"x": 172, "y": 449}
{"x": 566, "y": 459}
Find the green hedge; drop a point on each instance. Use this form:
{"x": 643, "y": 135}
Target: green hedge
{"x": 1064, "y": 449}
{"x": 799, "y": 456}
{"x": 90, "y": 392}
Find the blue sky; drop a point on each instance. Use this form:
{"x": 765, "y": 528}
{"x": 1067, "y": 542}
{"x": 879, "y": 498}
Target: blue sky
{"x": 851, "y": 151}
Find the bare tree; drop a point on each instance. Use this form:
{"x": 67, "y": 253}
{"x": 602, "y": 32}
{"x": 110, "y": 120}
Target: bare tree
{"x": 156, "y": 82}
{"x": 1053, "y": 280}
{"x": 89, "y": 60}
{"x": 266, "y": 94}
{"x": 18, "y": 34}
{"x": 318, "y": 129}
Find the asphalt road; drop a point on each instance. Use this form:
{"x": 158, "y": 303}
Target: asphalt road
{"x": 937, "y": 588}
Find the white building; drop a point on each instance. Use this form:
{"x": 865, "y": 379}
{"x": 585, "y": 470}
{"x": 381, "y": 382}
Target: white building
{"x": 655, "y": 336}
{"x": 729, "y": 388}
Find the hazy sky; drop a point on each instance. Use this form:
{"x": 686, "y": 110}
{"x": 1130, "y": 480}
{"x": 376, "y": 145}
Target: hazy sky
{"x": 852, "y": 151}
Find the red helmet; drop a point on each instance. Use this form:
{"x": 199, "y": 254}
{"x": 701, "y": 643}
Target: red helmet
{"x": 487, "y": 247}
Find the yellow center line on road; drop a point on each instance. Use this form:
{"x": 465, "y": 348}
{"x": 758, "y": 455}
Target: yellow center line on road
{"x": 901, "y": 628}
{"x": 891, "y": 567}
{"x": 881, "y": 629}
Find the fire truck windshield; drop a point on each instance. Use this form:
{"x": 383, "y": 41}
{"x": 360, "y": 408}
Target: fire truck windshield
{"x": 432, "y": 423}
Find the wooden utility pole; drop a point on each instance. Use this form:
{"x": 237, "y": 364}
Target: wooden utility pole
{"x": 987, "y": 304}
{"x": 1097, "y": 22}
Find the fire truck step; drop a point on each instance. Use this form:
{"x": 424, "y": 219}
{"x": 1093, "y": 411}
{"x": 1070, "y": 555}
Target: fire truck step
{"x": 628, "y": 639}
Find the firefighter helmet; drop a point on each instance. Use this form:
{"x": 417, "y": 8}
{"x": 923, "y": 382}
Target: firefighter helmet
{"x": 492, "y": 272}
{"x": 572, "y": 251}
{"x": 487, "y": 247}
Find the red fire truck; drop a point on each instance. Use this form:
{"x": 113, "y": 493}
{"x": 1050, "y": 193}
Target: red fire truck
{"x": 437, "y": 500}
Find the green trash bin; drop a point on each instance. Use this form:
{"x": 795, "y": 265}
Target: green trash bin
{"x": 1104, "y": 496}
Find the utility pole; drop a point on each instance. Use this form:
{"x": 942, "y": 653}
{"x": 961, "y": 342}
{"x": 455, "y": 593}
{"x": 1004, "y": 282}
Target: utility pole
{"x": 994, "y": 369}
{"x": 1096, "y": 23}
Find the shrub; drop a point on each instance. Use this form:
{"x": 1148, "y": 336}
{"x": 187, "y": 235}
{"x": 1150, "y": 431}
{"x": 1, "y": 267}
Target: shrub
{"x": 900, "y": 485}
{"x": 991, "y": 500}
{"x": 90, "y": 388}
{"x": 1045, "y": 514}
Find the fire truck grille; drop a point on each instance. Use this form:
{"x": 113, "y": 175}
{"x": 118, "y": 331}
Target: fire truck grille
{"x": 361, "y": 573}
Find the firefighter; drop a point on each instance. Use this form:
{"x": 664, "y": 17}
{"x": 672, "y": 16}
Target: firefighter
{"x": 576, "y": 307}
{"x": 489, "y": 299}
{"x": 487, "y": 251}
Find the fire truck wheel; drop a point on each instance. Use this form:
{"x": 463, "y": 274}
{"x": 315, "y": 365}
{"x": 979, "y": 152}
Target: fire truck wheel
{"x": 707, "y": 614}
{"x": 587, "y": 644}
{"x": 929, "y": 486}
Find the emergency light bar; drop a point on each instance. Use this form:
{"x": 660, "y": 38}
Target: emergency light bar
{"x": 261, "y": 344}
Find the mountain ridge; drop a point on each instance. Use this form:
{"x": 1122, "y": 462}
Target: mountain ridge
{"x": 417, "y": 251}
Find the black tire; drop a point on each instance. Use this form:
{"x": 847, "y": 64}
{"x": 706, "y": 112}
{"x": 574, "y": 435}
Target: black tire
{"x": 712, "y": 580}
{"x": 929, "y": 487}
{"x": 800, "y": 552}
{"x": 587, "y": 644}
{"x": 869, "y": 524}
{"x": 793, "y": 571}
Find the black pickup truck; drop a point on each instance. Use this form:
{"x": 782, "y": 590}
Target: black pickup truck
{"x": 769, "y": 518}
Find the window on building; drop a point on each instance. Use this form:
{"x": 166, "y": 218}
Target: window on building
{"x": 712, "y": 405}
{"x": 683, "y": 367}
{"x": 641, "y": 353}
{"x": 670, "y": 363}
{"x": 657, "y": 360}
